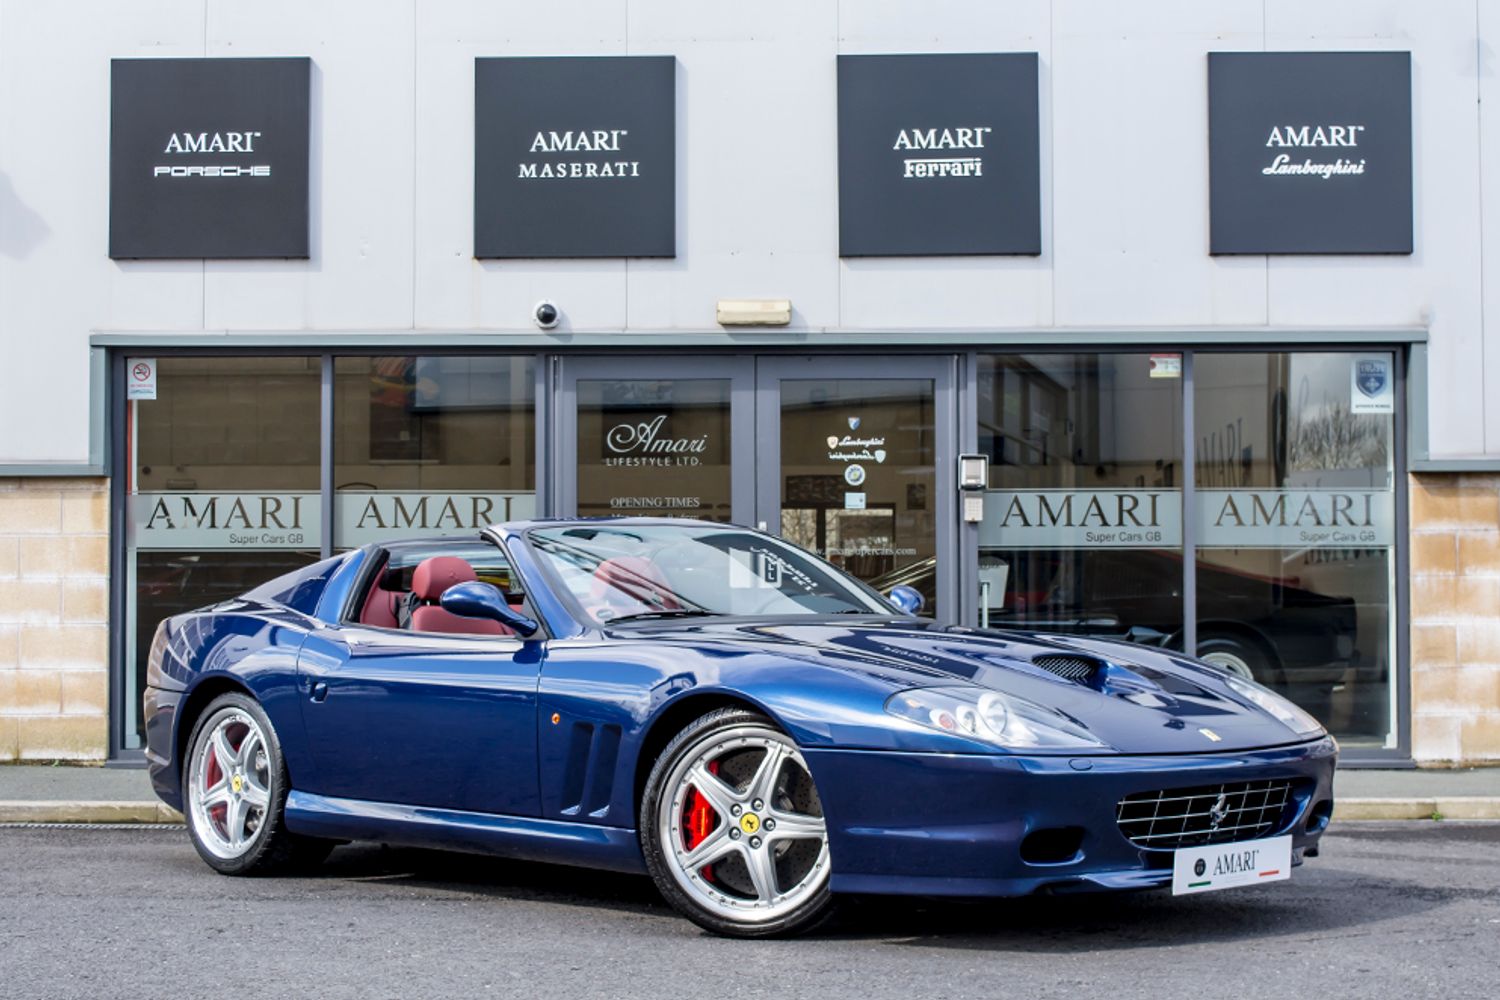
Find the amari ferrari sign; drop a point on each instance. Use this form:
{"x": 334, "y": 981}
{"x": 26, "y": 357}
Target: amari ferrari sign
{"x": 939, "y": 154}
{"x": 1310, "y": 152}
{"x": 208, "y": 158}
{"x": 575, "y": 157}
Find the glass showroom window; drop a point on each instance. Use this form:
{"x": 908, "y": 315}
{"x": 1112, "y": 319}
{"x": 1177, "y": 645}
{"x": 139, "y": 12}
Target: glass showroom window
{"x": 431, "y": 445}
{"x": 1295, "y": 527}
{"x": 1082, "y": 528}
{"x": 222, "y": 491}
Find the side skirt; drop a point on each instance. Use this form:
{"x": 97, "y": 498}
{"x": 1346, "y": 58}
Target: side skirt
{"x": 524, "y": 837}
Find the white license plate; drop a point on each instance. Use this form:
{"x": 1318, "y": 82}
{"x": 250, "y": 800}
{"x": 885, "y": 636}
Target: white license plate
{"x": 1224, "y": 866}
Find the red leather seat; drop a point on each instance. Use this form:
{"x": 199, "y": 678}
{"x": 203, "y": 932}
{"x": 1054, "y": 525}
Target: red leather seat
{"x": 380, "y": 605}
{"x": 429, "y": 580}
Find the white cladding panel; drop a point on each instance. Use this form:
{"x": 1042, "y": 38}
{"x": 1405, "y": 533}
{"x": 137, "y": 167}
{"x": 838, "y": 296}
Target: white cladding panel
{"x": 1124, "y": 181}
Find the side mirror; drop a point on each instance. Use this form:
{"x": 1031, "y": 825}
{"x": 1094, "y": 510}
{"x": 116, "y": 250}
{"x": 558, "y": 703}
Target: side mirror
{"x": 908, "y": 599}
{"x": 477, "y": 599}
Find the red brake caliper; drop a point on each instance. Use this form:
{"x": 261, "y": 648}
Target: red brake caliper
{"x": 699, "y": 820}
{"x": 212, "y": 772}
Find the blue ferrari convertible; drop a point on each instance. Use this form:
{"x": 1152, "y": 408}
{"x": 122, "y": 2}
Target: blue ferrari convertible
{"x": 707, "y": 704}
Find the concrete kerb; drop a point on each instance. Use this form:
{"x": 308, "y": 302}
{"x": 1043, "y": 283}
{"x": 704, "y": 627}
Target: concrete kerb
{"x": 87, "y": 812}
{"x": 1449, "y": 807}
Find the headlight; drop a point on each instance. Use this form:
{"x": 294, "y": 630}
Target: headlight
{"x": 990, "y": 717}
{"x": 1278, "y": 707}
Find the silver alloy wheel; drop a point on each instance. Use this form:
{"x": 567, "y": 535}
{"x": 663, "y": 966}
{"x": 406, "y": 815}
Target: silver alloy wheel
{"x": 1232, "y": 662}
{"x": 229, "y": 784}
{"x": 761, "y": 830}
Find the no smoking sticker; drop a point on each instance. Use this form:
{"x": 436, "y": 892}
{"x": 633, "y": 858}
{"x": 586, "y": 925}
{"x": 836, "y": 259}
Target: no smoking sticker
{"x": 140, "y": 378}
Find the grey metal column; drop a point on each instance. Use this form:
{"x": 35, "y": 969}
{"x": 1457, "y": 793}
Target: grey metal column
{"x": 325, "y": 453}
{"x": 544, "y": 403}
{"x": 120, "y": 603}
{"x": 1400, "y": 562}
{"x": 970, "y": 611}
{"x": 1189, "y": 512}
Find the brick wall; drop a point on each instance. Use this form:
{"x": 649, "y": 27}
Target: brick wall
{"x": 54, "y": 600}
{"x": 1455, "y": 629}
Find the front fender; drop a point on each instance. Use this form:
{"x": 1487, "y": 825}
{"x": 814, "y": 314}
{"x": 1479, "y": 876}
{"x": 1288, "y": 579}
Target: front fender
{"x": 603, "y": 708}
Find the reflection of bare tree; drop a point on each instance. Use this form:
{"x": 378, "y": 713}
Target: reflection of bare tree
{"x": 1333, "y": 437}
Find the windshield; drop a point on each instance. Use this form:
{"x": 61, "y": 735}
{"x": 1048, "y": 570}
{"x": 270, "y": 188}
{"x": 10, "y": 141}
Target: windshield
{"x": 660, "y": 571}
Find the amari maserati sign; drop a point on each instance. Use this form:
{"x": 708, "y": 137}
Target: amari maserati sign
{"x": 1310, "y": 152}
{"x": 209, "y": 158}
{"x": 575, "y": 157}
{"x": 939, "y": 154}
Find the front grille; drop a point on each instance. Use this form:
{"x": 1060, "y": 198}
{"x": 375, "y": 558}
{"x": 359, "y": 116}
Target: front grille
{"x": 1072, "y": 668}
{"x": 1210, "y": 814}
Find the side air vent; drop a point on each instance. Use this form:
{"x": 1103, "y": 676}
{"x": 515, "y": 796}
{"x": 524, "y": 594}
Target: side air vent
{"x": 588, "y": 778}
{"x": 1071, "y": 668}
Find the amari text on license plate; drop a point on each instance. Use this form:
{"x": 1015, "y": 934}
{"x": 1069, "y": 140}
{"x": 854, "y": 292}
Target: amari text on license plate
{"x": 1224, "y": 866}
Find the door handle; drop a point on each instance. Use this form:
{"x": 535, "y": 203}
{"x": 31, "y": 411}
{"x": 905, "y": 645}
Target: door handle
{"x": 319, "y": 690}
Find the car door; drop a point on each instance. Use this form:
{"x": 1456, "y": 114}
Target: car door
{"x": 421, "y": 718}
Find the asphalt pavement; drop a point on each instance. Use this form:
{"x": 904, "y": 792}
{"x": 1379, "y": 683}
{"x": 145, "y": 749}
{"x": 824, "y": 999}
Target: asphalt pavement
{"x": 1390, "y": 910}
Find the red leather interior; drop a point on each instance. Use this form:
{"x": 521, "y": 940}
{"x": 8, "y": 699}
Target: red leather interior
{"x": 630, "y": 585}
{"x": 380, "y": 607}
{"x": 429, "y": 580}
{"x": 435, "y": 575}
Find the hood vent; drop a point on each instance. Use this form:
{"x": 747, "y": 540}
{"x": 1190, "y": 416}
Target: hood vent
{"x": 1079, "y": 669}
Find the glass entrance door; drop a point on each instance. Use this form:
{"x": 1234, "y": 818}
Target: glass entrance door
{"x": 657, "y": 437}
{"x": 839, "y": 455}
{"x": 848, "y": 456}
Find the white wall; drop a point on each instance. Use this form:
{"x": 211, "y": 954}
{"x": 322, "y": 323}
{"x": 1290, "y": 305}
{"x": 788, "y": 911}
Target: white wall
{"x": 1124, "y": 181}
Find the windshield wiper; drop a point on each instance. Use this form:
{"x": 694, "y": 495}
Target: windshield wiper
{"x": 671, "y": 613}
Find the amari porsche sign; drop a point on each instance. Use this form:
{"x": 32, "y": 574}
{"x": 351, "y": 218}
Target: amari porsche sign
{"x": 939, "y": 154}
{"x": 209, "y": 158}
{"x": 1310, "y": 152}
{"x": 575, "y": 157}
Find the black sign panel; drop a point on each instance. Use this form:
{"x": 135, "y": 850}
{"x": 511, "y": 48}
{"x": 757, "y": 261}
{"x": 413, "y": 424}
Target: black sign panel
{"x": 208, "y": 158}
{"x": 939, "y": 154}
{"x": 1310, "y": 152}
{"x": 575, "y": 157}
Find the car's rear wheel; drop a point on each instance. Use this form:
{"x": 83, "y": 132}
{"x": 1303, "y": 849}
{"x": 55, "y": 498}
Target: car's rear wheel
{"x": 236, "y": 782}
{"x": 733, "y": 830}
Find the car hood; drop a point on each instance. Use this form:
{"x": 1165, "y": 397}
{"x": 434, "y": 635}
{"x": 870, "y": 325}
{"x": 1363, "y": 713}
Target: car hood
{"x": 1135, "y": 699}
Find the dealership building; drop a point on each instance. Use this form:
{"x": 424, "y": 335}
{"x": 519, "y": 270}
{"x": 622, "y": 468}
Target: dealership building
{"x": 1164, "y": 321}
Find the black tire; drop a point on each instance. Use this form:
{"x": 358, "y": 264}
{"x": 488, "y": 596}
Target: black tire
{"x": 813, "y": 912}
{"x": 1238, "y": 656}
{"x": 271, "y": 849}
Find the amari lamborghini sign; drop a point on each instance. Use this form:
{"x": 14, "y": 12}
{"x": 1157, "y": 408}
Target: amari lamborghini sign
{"x": 1310, "y": 152}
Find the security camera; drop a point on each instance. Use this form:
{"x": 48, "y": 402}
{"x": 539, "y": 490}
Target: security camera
{"x": 545, "y": 314}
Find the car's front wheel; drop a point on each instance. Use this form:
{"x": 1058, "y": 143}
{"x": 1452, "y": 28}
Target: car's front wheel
{"x": 237, "y": 784}
{"x": 733, "y": 831}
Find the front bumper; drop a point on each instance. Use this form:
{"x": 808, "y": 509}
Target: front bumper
{"x": 953, "y": 824}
